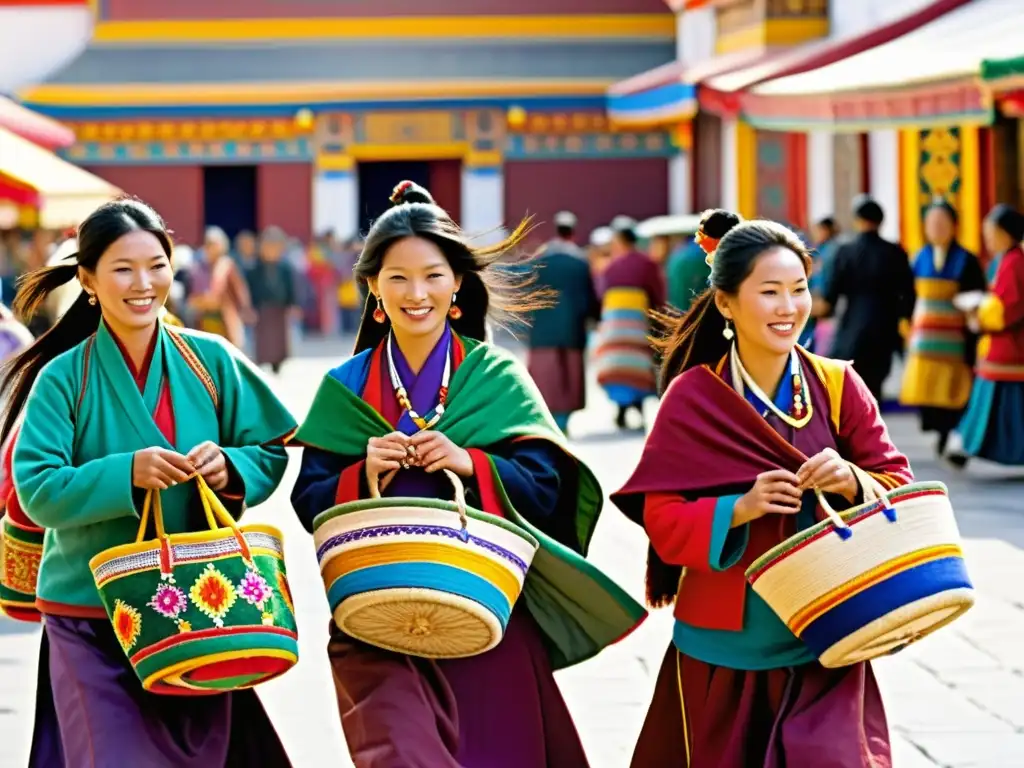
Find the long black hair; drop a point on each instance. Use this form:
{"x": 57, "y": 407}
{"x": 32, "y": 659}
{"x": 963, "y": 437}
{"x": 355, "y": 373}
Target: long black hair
{"x": 695, "y": 338}
{"x": 104, "y": 226}
{"x": 489, "y": 290}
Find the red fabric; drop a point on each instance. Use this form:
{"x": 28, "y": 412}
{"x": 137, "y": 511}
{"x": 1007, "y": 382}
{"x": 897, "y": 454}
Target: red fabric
{"x": 1007, "y": 348}
{"x": 348, "y": 483}
{"x": 163, "y": 416}
{"x": 483, "y": 470}
{"x": 8, "y": 494}
{"x": 680, "y": 530}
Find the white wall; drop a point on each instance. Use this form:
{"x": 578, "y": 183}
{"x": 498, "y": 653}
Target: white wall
{"x": 336, "y": 203}
{"x": 695, "y": 35}
{"x": 821, "y": 170}
{"x": 884, "y": 174}
{"x": 483, "y": 203}
{"x": 851, "y": 17}
{"x": 679, "y": 169}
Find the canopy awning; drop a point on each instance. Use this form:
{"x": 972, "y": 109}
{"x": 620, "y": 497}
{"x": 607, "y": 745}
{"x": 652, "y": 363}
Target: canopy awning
{"x": 929, "y": 76}
{"x": 33, "y": 126}
{"x": 67, "y": 194}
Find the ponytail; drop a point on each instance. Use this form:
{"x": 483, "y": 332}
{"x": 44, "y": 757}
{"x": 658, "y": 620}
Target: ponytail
{"x": 692, "y": 339}
{"x": 80, "y": 321}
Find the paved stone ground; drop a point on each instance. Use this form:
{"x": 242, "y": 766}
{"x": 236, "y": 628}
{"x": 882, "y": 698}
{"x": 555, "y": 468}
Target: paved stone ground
{"x": 955, "y": 699}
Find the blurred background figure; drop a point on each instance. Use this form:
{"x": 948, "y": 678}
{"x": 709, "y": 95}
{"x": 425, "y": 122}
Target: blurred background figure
{"x": 219, "y": 300}
{"x": 874, "y": 277}
{"x": 630, "y": 286}
{"x": 599, "y": 250}
{"x": 274, "y": 299}
{"x": 941, "y": 349}
{"x": 557, "y": 338}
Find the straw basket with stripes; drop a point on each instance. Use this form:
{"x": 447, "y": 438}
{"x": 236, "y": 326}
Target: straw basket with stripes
{"x": 872, "y": 580}
{"x": 424, "y": 577}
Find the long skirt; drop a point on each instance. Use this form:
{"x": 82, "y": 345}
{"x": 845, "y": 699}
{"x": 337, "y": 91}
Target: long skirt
{"x": 501, "y": 709}
{"x": 993, "y": 424}
{"x": 781, "y": 718}
{"x": 90, "y": 696}
{"x": 272, "y": 337}
{"x": 559, "y": 375}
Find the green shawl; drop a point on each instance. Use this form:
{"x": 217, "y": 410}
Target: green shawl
{"x": 491, "y": 398}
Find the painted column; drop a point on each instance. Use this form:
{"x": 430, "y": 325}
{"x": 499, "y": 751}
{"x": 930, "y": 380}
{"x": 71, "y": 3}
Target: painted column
{"x": 680, "y": 171}
{"x": 884, "y": 163}
{"x": 336, "y": 197}
{"x": 730, "y": 174}
{"x": 821, "y": 200}
{"x": 970, "y": 209}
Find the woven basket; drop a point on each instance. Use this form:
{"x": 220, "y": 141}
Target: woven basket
{"x": 200, "y": 613}
{"x": 21, "y": 551}
{"x": 424, "y": 577}
{"x": 872, "y": 580}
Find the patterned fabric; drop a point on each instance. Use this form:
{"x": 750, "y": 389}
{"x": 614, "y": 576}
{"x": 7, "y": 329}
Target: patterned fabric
{"x": 623, "y": 358}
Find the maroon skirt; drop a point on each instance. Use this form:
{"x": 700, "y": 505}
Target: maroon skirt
{"x": 559, "y": 375}
{"x": 780, "y": 718}
{"x": 501, "y": 709}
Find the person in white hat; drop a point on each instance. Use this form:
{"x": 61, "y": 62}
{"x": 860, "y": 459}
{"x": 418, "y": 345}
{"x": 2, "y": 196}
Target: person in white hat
{"x": 632, "y": 285}
{"x": 558, "y": 334}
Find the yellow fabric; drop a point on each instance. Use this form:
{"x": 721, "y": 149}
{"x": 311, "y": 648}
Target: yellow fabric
{"x": 905, "y": 328}
{"x": 936, "y": 383}
{"x": 936, "y": 288}
{"x": 348, "y": 296}
{"x": 626, "y": 298}
{"x": 832, "y": 374}
{"x": 991, "y": 314}
{"x": 984, "y": 345}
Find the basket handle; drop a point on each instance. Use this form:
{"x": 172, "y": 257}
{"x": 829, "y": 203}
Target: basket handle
{"x": 873, "y": 491}
{"x": 457, "y": 485}
{"x": 213, "y": 508}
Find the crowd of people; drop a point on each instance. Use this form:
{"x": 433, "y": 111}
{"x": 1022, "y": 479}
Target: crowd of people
{"x": 115, "y": 402}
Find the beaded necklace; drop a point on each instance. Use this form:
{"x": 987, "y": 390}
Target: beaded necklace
{"x": 403, "y": 396}
{"x": 802, "y": 409}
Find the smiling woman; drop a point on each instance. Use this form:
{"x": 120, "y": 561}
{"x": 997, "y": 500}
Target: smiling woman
{"x": 113, "y": 408}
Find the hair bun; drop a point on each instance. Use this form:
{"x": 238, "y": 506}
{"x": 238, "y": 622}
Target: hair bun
{"x": 410, "y": 192}
{"x": 716, "y": 222}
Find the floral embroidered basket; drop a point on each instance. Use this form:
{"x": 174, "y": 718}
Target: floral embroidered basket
{"x": 200, "y": 613}
{"x": 424, "y": 577}
{"x": 21, "y": 551}
{"x": 872, "y": 580}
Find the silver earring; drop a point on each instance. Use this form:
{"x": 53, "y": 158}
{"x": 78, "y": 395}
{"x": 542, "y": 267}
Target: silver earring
{"x": 727, "y": 331}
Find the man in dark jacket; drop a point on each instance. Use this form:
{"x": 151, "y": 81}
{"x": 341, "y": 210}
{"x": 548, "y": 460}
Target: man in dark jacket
{"x": 558, "y": 335}
{"x": 875, "y": 277}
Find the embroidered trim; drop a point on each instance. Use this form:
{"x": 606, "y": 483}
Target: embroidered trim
{"x": 193, "y": 361}
{"x": 86, "y": 356}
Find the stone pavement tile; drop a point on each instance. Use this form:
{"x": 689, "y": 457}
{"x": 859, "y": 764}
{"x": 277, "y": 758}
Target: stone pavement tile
{"x": 1000, "y": 692}
{"x": 947, "y": 650}
{"x": 945, "y": 712}
{"x": 906, "y": 755}
{"x": 972, "y": 750}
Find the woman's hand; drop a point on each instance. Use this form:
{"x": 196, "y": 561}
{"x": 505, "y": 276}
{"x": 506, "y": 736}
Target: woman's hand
{"x": 435, "y": 451}
{"x": 386, "y": 454}
{"x": 211, "y": 464}
{"x": 159, "y": 468}
{"x": 775, "y": 492}
{"x": 827, "y": 472}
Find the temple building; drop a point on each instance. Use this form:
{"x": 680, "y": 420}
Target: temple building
{"x": 789, "y": 108}
{"x": 305, "y": 114}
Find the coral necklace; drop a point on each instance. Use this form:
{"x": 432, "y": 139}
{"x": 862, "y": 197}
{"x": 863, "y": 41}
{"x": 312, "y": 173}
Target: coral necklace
{"x": 403, "y": 396}
{"x": 802, "y": 409}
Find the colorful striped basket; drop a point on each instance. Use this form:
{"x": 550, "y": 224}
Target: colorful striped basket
{"x": 21, "y": 551}
{"x": 872, "y": 580}
{"x": 200, "y": 613}
{"x": 424, "y": 577}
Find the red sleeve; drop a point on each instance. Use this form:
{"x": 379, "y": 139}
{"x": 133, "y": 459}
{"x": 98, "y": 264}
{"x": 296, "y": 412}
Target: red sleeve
{"x": 864, "y": 438}
{"x": 1008, "y": 288}
{"x": 350, "y": 483}
{"x": 680, "y": 530}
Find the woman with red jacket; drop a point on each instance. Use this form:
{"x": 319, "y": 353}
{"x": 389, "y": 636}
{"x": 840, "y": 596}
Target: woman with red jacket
{"x": 749, "y": 427}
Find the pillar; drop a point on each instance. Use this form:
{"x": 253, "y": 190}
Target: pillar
{"x": 730, "y": 174}
{"x": 884, "y": 175}
{"x": 680, "y": 171}
{"x": 483, "y": 200}
{"x": 821, "y": 200}
{"x": 970, "y": 210}
{"x": 336, "y": 196}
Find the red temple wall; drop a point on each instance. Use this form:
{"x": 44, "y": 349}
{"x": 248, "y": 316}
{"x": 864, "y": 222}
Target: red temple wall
{"x": 175, "y": 191}
{"x": 595, "y": 190}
